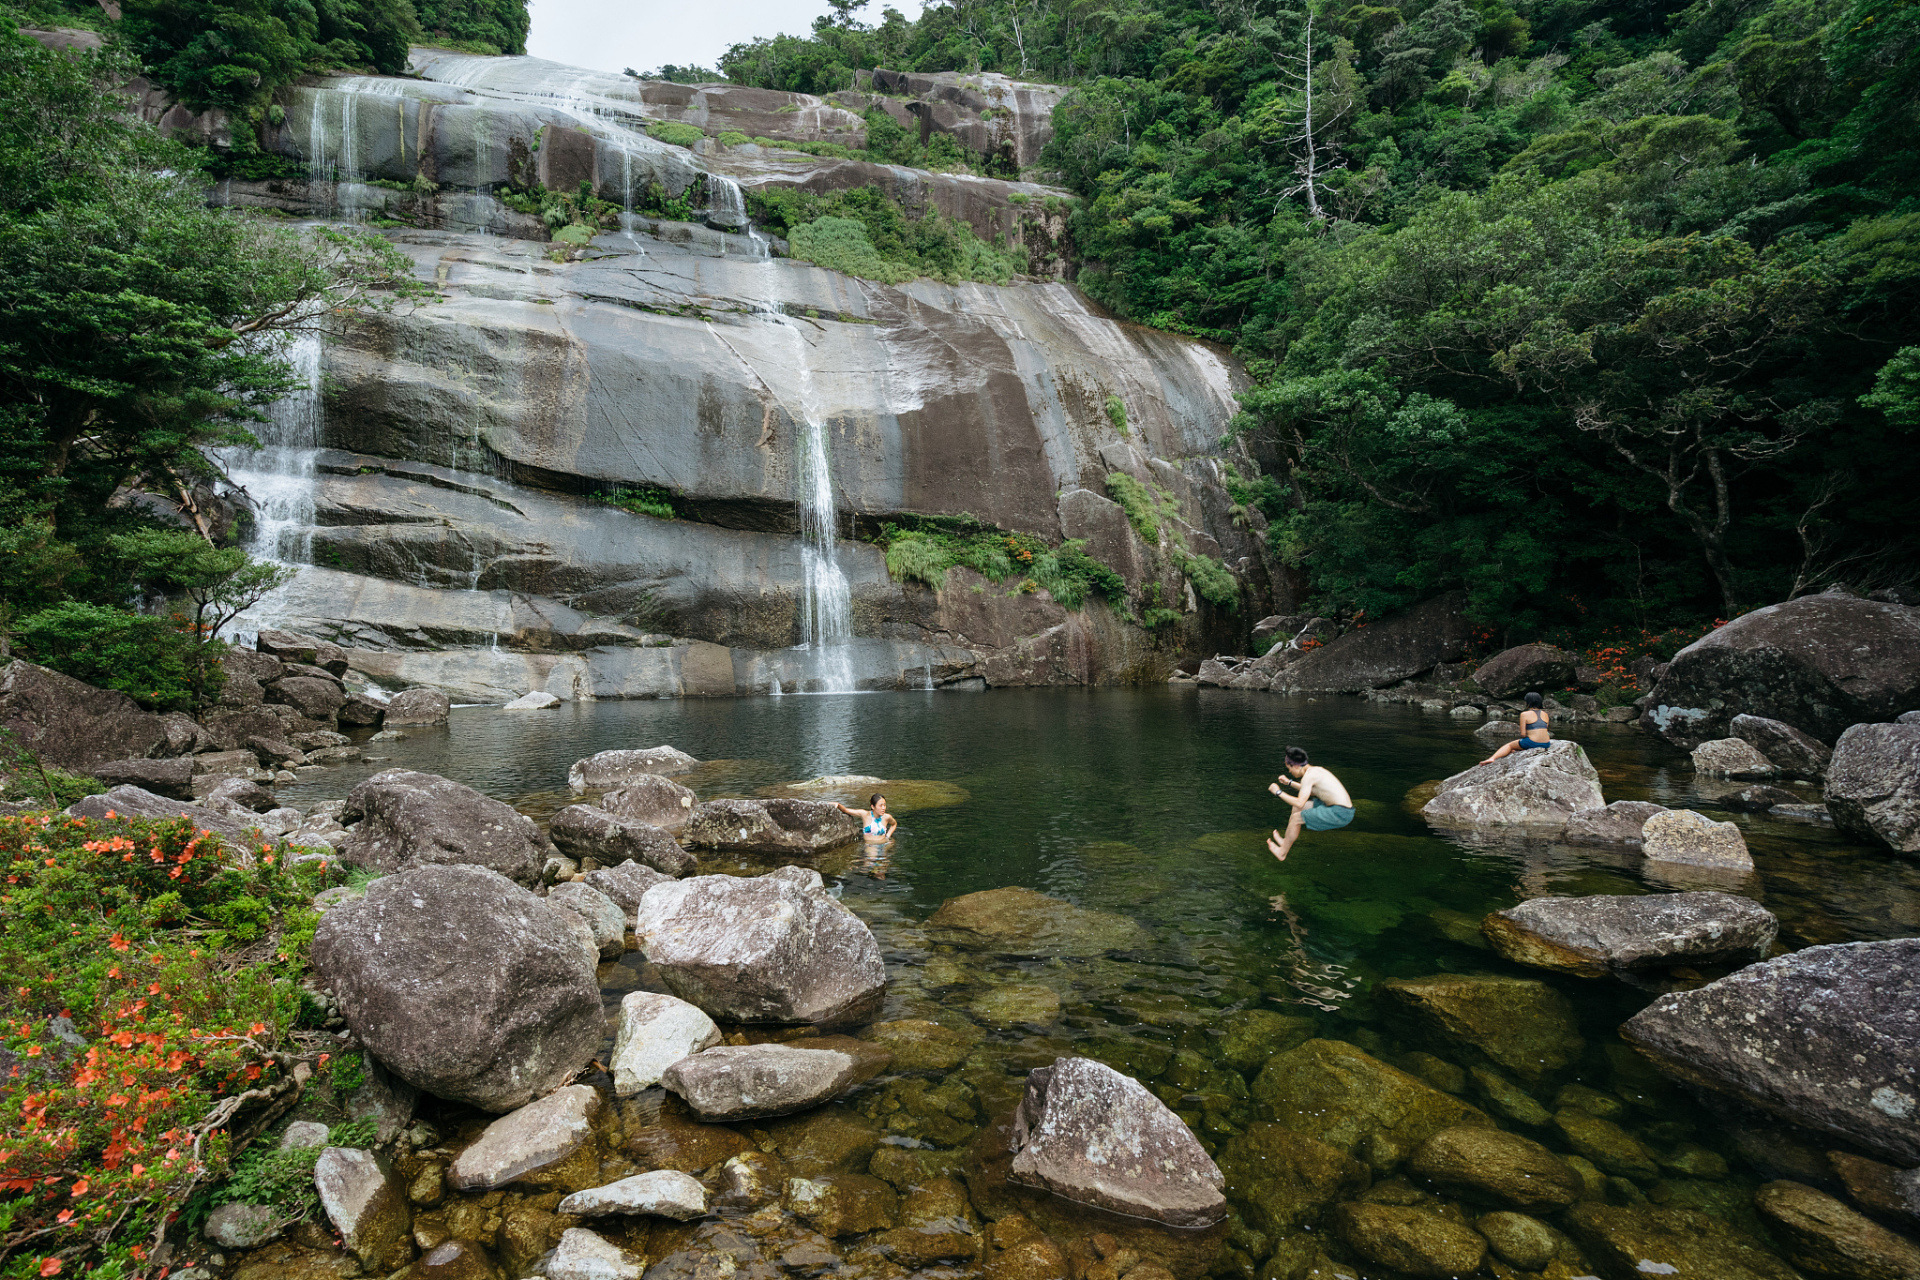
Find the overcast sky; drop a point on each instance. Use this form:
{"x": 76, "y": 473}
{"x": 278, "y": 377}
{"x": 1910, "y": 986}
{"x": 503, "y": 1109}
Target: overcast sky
{"x": 611, "y": 35}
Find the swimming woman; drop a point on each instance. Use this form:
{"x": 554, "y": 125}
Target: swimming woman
{"x": 875, "y": 823}
{"x": 1534, "y": 732}
{"x": 1319, "y": 803}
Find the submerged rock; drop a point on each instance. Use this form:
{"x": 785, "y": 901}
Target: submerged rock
{"x": 1605, "y": 934}
{"x": 1411, "y": 1241}
{"x": 1021, "y": 921}
{"x": 1085, "y": 1132}
{"x": 1622, "y": 822}
{"x": 1758, "y": 799}
{"x": 1646, "y": 1241}
{"x": 1606, "y": 1144}
{"x": 1785, "y": 747}
{"x": 1827, "y": 1038}
{"x": 1731, "y": 758}
{"x": 655, "y": 1031}
{"x": 463, "y": 983}
{"x": 774, "y": 826}
{"x": 766, "y": 949}
{"x": 1284, "y": 1180}
{"x": 918, "y": 1045}
{"x": 1681, "y": 835}
{"x": 1248, "y": 1038}
{"x": 584, "y": 1255}
{"x": 609, "y": 769}
{"x": 1522, "y": 1025}
{"x": 663, "y": 1193}
{"x": 743, "y": 1082}
{"x": 401, "y": 818}
{"x": 1479, "y": 1163}
{"x": 842, "y": 1204}
{"x": 1538, "y": 668}
{"x": 1331, "y": 1091}
{"x": 1873, "y": 785}
{"x": 653, "y": 800}
{"x": 540, "y": 1135}
{"x": 1518, "y": 1240}
{"x": 1824, "y": 1238}
{"x": 1537, "y": 789}
{"x": 582, "y": 831}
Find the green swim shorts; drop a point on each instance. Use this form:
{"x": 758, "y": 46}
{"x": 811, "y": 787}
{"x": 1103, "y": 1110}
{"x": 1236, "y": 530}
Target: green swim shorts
{"x": 1321, "y": 816}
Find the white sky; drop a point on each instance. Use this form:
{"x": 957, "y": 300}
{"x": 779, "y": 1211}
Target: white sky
{"x": 609, "y": 35}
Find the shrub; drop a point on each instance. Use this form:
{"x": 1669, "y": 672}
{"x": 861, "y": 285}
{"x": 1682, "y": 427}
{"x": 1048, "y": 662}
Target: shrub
{"x": 1135, "y": 499}
{"x": 887, "y": 245}
{"x": 1117, "y": 413}
{"x": 642, "y": 502}
{"x": 151, "y": 660}
{"x": 841, "y": 244}
{"x": 1067, "y": 572}
{"x": 674, "y": 133}
{"x": 733, "y": 138}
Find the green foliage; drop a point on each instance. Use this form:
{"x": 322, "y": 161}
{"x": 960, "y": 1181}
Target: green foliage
{"x": 864, "y": 233}
{"x": 476, "y": 26}
{"x": 349, "y": 1072}
{"x": 1117, "y": 413}
{"x": 733, "y": 138}
{"x": 657, "y": 503}
{"x": 1211, "y": 580}
{"x": 1896, "y": 390}
{"x": 656, "y": 203}
{"x": 219, "y": 582}
{"x": 151, "y": 660}
{"x": 674, "y": 133}
{"x": 24, "y": 779}
{"x": 1066, "y": 572}
{"x": 1141, "y": 506}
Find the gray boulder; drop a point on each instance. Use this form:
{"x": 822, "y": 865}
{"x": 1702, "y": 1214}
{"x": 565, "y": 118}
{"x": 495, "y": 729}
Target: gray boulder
{"x": 1681, "y": 835}
{"x": 655, "y": 1032}
{"x": 69, "y": 723}
{"x": 745, "y": 1082}
{"x": 464, "y": 984}
{"x": 1820, "y": 663}
{"x": 1498, "y": 731}
{"x": 778, "y": 826}
{"x": 367, "y": 1206}
{"x": 582, "y": 1255}
{"x": 581, "y": 831}
{"x": 653, "y": 800}
{"x": 603, "y": 917}
{"x": 400, "y": 818}
{"x": 1621, "y": 822}
{"x": 1526, "y": 668}
{"x": 663, "y": 1193}
{"x": 765, "y": 949}
{"x": 290, "y": 646}
{"x": 314, "y": 698}
{"x": 609, "y": 769}
{"x": 1605, "y": 934}
{"x": 1873, "y": 785}
{"x": 544, "y": 1133}
{"x": 361, "y": 712}
{"x": 1827, "y": 1038}
{"x": 1791, "y": 751}
{"x": 626, "y": 884}
{"x": 235, "y": 794}
{"x": 1536, "y": 789}
{"x": 1731, "y": 758}
{"x": 1758, "y": 798}
{"x": 132, "y": 802}
{"x": 1386, "y": 652}
{"x": 538, "y": 700}
{"x": 1093, "y": 1136}
{"x": 243, "y": 1226}
{"x": 418, "y": 706}
{"x": 171, "y": 778}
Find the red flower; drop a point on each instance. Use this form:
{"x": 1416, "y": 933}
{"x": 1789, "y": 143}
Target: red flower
{"x": 51, "y": 1266}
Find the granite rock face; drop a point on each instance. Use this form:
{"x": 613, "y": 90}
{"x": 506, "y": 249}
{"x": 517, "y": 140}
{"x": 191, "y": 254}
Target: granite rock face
{"x": 464, "y": 984}
{"x": 654, "y": 800}
{"x": 1827, "y": 1038}
{"x": 768, "y": 949}
{"x": 662, "y": 1193}
{"x": 1397, "y": 648}
{"x": 582, "y": 831}
{"x": 170, "y": 778}
{"x": 1527, "y": 668}
{"x": 401, "y": 818}
{"x": 69, "y": 723}
{"x": 1536, "y": 789}
{"x": 1603, "y": 934}
{"x": 1681, "y": 835}
{"x": 1085, "y": 1132}
{"x": 609, "y": 769}
{"x": 1873, "y": 785}
{"x": 1790, "y": 751}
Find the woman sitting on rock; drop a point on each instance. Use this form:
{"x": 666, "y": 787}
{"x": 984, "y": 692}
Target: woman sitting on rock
{"x": 1533, "y": 731}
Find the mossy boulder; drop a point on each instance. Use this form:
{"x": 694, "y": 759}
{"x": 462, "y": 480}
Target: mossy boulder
{"x": 1411, "y": 1241}
{"x": 1022, "y": 922}
{"x": 1251, "y": 1036}
{"x": 1825, "y": 1238}
{"x": 1519, "y": 1241}
{"x": 1490, "y": 1165}
{"x": 919, "y": 1045}
{"x": 1518, "y": 1024}
{"x": 1640, "y": 1240}
{"x": 1331, "y": 1091}
{"x": 1606, "y": 1144}
{"x": 1283, "y": 1180}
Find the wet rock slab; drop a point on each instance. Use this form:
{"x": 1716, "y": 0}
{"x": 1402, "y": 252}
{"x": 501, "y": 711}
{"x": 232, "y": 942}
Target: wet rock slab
{"x": 1021, "y": 921}
{"x": 774, "y": 826}
{"x": 609, "y": 769}
{"x": 1603, "y": 934}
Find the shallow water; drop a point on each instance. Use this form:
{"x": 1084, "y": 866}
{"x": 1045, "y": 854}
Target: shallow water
{"x": 1151, "y": 804}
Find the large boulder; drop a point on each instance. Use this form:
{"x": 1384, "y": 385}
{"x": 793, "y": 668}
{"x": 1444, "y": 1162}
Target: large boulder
{"x": 171, "y": 778}
{"x": 367, "y": 1206}
{"x": 133, "y": 802}
{"x": 1827, "y": 1038}
{"x": 777, "y": 826}
{"x": 71, "y": 724}
{"x": 1285, "y": 1180}
{"x": 609, "y": 769}
{"x": 1496, "y": 1167}
{"x": 655, "y": 1032}
{"x": 602, "y": 916}
{"x": 1820, "y": 663}
{"x": 1518, "y": 1024}
{"x": 1093, "y": 1136}
{"x": 1334, "y": 1093}
{"x": 1734, "y": 758}
{"x": 418, "y": 706}
{"x": 313, "y": 697}
{"x": 765, "y": 949}
{"x": 654, "y": 800}
{"x": 400, "y": 818}
{"x": 1023, "y": 921}
{"x": 1526, "y": 668}
{"x": 1386, "y": 652}
{"x": 582, "y": 831}
{"x": 1533, "y": 789}
{"x": 750, "y": 1081}
{"x": 1873, "y": 785}
{"x": 1606, "y": 934}
{"x": 464, "y": 984}
{"x": 1622, "y": 822}
{"x": 1792, "y": 752}
{"x": 1681, "y": 835}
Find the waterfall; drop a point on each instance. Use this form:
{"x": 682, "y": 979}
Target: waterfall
{"x": 278, "y": 476}
{"x": 726, "y": 203}
{"x": 826, "y": 608}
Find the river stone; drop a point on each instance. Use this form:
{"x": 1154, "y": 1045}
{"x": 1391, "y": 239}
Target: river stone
{"x": 400, "y": 818}
{"x": 1395, "y": 648}
{"x": 1520, "y": 1241}
{"x": 1606, "y": 1144}
{"x": 842, "y": 1204}
{"x": 1015, "y": 1003}
{"x": 1594, "y": 936}
{"x": 170, "y": 778}
{"x": 1880, "y": 1189}
{"x": 1410, "y": 1241}
{"x": 1478, "y": 1163}
{"x": 583, "y": 1255}
{"x": 367, "y": 1206}
{"x": 918, "y": 1045}
{"x": 1873, "y": 785}
{"x": 1827, "y": 1038}
{"x": 1284, "y": 1180}
{"x": 1521, "y": 1025}
{"x": 418, "y": 706}
{"x": 1789, "y": 750}
{"x": 1824, "y": 1238}
{"x": 610, "y": 769}
{"x": 243, "y": 1226}
{"x": 538, "y": 700}
{"x": 1021, "y": 921}
{"x": 1758, "y": 798}
{"x": 70, "y": 723}
{"x": 1331, "y": 1091}
{"x": 653, "y": 800}
{"x": 1681, "y": 835}
{"x": 655, "y": 1032}
{"x": 544, "y": 1133}
{"x": 766, "y": 949}
{"x": 602, "y": 915}
{"x": 463, "y": 983}
{"x": 744, "y": 1082}
{"x": 1093, "y": 1136}
{"x": 454, "y": 1260}
{"x": 626, "y": 884}
{"x": 133, "y": 802}
{"x": 1534, "y": 789}
{"x": 235, "y": 794}
{"x": 1642, "y": 1240}
{"x": 582, "y": 831}
{"x": 1819, "y": 663}
{"x": 1508, "y": 1099}
{"x": 832, "y": 1139}
{"x": 1535, "y": 668}
{"x": 1251, "y": 1036}
{"x": 773, "y": 826}
{"x": 1731, "y": 758}
{"x": 662, "y": 1193}
{"x": 1619, "y": 823}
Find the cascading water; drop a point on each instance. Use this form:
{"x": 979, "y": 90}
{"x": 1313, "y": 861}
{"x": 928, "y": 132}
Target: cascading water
{"x": 726, "y": 203}
{"x": 278, "y": 476}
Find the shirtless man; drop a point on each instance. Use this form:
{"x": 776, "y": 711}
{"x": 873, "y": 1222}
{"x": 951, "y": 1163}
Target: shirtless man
{"x": 1319, "y": 802}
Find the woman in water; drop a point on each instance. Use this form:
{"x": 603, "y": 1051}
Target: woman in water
{"x": 876, "y": 824}
{"x": 1533, "y": 731}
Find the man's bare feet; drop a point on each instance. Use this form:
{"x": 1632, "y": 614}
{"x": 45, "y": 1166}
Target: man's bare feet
{"x": 1277, "y": 846}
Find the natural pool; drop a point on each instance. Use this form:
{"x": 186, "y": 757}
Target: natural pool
{"x": 1151, "y": 804}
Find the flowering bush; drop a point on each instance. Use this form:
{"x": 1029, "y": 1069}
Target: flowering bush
{"x": 151, "y": 1013}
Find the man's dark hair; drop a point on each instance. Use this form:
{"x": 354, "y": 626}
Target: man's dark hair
{"x": 1295, "y": 755}
{"x": 874, "y": 799}
{"x": 1534, "y": 699}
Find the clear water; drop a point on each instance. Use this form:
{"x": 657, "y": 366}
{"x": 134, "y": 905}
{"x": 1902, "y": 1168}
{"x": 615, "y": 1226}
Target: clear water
{"x": 1151, "y": 804}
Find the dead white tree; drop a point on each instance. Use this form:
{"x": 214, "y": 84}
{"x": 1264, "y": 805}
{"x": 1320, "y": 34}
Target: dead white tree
{"x": 1312, "y": 155}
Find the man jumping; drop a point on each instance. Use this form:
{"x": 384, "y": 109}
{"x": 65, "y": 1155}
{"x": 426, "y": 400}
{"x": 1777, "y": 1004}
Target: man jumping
{"x": 1319, "y": 802}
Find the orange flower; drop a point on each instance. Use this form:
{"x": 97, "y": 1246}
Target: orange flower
{"x": 51, "y": 1266}
{"x": 117, "y": 942}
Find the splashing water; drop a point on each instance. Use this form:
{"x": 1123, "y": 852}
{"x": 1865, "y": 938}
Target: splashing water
{"x": 278, "y": 476}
